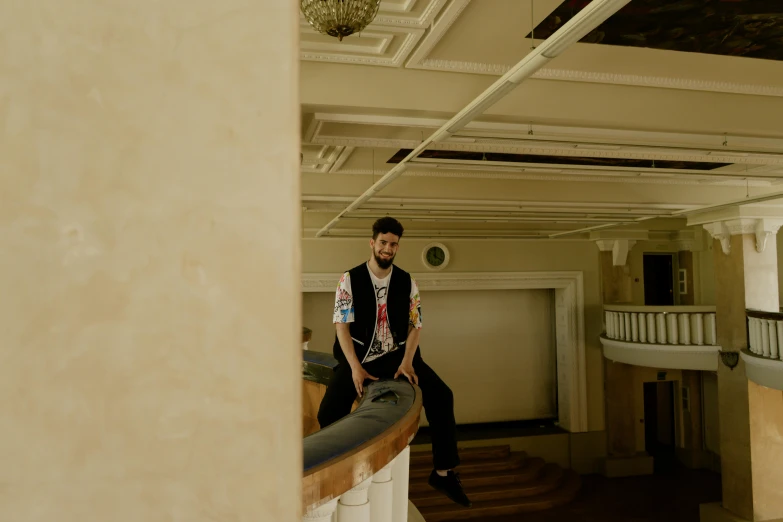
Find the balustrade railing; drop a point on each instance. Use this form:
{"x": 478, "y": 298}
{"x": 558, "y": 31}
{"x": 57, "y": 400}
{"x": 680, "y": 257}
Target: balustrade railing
{"x": 357, "y": 469}
{"x": 765, "y": 334}
{"x": 670, "y": 325}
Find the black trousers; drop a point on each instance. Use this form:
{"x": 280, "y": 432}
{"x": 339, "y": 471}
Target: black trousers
{"x": 437, "y": 399}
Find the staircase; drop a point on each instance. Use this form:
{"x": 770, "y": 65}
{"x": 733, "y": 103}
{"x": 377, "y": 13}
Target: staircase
{"x": 498, "y": 481}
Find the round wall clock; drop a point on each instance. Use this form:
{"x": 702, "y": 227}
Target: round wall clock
{"x": 435, "y": 256}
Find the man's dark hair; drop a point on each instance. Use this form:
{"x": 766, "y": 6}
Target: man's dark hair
{"x": 385, "y": 225}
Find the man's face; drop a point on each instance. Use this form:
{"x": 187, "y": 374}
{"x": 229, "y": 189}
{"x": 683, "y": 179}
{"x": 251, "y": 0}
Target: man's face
{"x": 384, "y": 248}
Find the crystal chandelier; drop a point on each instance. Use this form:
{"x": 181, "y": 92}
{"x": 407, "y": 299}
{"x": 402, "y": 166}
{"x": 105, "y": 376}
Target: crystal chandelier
{"x": 339, "y": 18}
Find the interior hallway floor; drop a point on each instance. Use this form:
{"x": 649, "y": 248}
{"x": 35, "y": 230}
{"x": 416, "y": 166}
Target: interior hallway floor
{"x": 672, "y": 495}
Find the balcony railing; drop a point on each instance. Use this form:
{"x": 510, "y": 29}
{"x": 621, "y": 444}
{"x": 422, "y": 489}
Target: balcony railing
{"x": 674, "y": 337}
{"x": 356, "y": 470}
{"x": 764, "y": 356}
{"x": 765, "y": 334}
{"x": 677, "y": 325}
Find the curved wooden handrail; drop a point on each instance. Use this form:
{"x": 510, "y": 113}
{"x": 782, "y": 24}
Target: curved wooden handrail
{"x": 758, "y": 314}
{"x": 333, "y": 477}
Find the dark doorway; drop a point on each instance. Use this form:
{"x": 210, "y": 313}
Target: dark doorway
{"x": 658, "y": 279}
{"x": 659, "y": 437}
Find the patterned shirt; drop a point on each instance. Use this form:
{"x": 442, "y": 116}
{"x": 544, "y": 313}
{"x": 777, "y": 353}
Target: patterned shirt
{"x": 382, "y": 340}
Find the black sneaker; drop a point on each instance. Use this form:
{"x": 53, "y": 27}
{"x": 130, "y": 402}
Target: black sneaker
{"x": 451, "y": 486}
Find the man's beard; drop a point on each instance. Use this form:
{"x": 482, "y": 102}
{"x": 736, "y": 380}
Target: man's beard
{"x": 383, "y": 262}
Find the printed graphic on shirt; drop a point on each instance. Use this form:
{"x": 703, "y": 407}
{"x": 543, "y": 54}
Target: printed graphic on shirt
{"x": 415, "y": 311}
{"x": 343, "y": 303}
{"x": 382, "y": 342}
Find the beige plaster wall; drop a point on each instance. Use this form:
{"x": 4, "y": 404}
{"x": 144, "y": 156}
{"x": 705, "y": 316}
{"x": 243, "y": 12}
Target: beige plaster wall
{"x": 148, "y": 216}
{"x": 337, "y": 255}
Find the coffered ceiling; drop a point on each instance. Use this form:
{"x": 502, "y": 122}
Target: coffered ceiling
{"x": 604, "y": 134}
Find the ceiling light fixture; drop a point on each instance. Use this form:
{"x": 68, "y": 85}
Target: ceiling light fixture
{"x": 339, "y": 18}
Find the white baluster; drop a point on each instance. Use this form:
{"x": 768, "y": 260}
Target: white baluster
{"x": 642, "y": 328}
{"x": 621, "y": 320}
{"x": 635, "y": 327}
{"x": 671, "y": 328}
{"x": 354, "y": 506}
{"x": 651, "y": 328}
{"x": 627, "y": 320}
{"x": 322, "y": 513}
{"x": 608, "y": 319}
{"x": 615, "y": 326}
{"x": 759, "y": 340}
{"x": 710, "y": 330}
{"x": 773, "y": 338}
{"x": 780, "y": 338}
{"x": 697, "y": 329}
{"x": 400, "y": 474}
{"x": 764, "y": 326}
{"x": 752, "y": 335}
{"x": 382, "y": 495}
{"x": 660, "y": 320}
{"x": 685, "y": 328}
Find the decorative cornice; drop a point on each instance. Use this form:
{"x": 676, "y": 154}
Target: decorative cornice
{"x": 633, "y": 80}
{"x": 411, "y": 35}
{"x": 432, "y": 9}
{"x": 533, "y": 176}
{"x": 521, "y": 148}
{"x": 463, "y": 281}
{"x": 449, "y": 16}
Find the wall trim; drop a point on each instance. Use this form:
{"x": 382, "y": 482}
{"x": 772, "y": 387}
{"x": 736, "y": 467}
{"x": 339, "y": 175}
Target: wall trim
{"x": 763, "y": 370}
{"x": 569, "y": 321}
{"x": 664, "y": 356}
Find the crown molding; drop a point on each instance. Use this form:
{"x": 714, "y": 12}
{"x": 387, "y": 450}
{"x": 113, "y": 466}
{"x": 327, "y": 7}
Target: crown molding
{"x": 411, "y": 37}
{"x": 532, "y": 176}
{"x": 429, "y": 13}
{"x": 436, "y": 32}
{"x": 631, "y": 80}
{"x": 521, "y": 148}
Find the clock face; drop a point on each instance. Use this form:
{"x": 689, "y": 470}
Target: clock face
{"x": 435, "y": 256}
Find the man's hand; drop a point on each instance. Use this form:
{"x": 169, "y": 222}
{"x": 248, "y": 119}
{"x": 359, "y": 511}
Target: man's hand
{"x": 359, "y": 376}
{"x": 406, "y": 369}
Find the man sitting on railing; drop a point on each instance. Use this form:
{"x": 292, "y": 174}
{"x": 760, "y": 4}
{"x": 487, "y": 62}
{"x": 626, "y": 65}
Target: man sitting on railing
{"x": 377, "y": 314}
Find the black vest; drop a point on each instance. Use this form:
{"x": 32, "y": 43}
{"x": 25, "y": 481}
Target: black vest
{"x": 365, "y": 310}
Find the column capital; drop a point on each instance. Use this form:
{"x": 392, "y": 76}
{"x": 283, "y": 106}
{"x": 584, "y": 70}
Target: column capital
{"x": 618, "y": 242}
{"x": 762, "y": 228}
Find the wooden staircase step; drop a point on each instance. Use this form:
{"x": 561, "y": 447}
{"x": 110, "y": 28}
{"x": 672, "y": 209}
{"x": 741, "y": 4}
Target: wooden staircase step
{"x": 514, "y": 461}
{"x": 494, "y": 508}
{"x": 421, "y": 458}
{"x": 551, "y": 477}
{"x": 529, "y": 470}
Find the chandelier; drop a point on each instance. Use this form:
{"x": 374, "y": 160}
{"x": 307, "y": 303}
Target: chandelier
{"x": 339, "y": 18}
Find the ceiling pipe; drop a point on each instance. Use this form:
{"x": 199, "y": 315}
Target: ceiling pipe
{"x": 574, "y": 30}
{"x": 678, "y": 213}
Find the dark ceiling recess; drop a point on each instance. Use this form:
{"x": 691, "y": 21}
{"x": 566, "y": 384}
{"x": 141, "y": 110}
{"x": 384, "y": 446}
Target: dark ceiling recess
{"x": 558, "y": 160}
{"x": 749, "y": 28}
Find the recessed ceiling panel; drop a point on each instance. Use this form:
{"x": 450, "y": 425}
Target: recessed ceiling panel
{"x": 749, "y": 28}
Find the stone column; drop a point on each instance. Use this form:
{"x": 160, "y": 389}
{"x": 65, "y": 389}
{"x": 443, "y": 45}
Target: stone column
{"x": 619, "y": 392}
{"x": 149, "y": 245}
{"x": 746, "y": 277}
